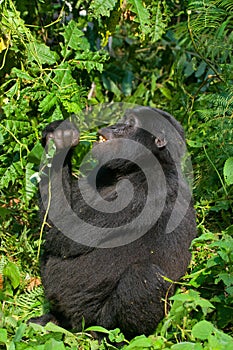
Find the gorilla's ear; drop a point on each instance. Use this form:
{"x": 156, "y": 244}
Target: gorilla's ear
{"x": 160, "y": 142}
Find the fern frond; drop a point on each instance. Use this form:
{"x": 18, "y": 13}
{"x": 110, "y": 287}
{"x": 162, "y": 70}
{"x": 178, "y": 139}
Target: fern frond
{"x": 226, "y": 4}
{"x": 31, "y": 302}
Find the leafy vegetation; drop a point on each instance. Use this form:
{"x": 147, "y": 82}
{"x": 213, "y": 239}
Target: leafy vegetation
{"x": 57, "y": 58}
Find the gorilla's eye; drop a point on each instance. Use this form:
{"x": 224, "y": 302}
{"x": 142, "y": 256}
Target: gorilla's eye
{"x": 130, "y": 121}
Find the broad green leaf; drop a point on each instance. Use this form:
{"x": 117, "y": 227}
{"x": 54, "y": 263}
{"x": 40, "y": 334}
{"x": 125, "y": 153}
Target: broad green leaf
{"x": 11, "y": 345}
{"x": 21, "y": 74}
{"x": 47, "y": 103}
{"x": 195, "y": 144}
{"x": 202, "y": 330}
{"x": 143, "y": 15}
{"x": 52, "y": 327}
{"x": 220, "y": 341}
{"x": 201, "y": 69}
{"x": 229, "y": 290}
{"x": 139, "y": 91}
{"x": 63, "y": 76}
{"x": 53, "y": 344}
{"x": 57, "y": 114}
{"x": 36, "y": 153}
{"x": 193, "y": 297}
{"x": 97, "y": 329}
{"x": 102, "y": 7}
{"x": 140, "y": 342}
{"x": 20, "y": 332}
{"x": 111, "y": 86}
{"x": 37, "y": 328}
{"x": 74, "y": 37}
{"x": 4, "y": 212}
{"x": 226, "y": 277}
{"x": 189, "y": 69}
{"x": 166, "y": 92}
{"x": 127, "y": 83}
{"x": 12, "y": 272}
{"x": 3, "y": 335}
{"x": 13, "y": 90}
{"x": 41, "y": 53}
{"x": 228, "y": 171}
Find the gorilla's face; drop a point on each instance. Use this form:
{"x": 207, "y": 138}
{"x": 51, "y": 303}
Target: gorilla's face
{"x": 130, "y": 127}
{"x": 128, "y": 143}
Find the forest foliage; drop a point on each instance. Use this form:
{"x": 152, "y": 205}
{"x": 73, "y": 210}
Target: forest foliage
{"x": 60, "y": 57}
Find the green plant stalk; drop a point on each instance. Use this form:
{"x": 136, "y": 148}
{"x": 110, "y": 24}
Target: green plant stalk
{"x": 219, "y": 176}
{"x": 45, "y": 215}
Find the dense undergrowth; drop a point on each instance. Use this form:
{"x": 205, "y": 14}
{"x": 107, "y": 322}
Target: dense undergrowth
{"x": 60, "y": 57}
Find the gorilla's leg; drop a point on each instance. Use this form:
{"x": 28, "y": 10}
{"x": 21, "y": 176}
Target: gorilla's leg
{"x": 138, "y": 301}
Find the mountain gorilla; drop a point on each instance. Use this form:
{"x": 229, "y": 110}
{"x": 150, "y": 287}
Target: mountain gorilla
{"x": 96, "y": 266}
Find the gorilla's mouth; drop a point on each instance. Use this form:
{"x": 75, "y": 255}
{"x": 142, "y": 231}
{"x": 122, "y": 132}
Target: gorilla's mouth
{"x": 101, "y": 138}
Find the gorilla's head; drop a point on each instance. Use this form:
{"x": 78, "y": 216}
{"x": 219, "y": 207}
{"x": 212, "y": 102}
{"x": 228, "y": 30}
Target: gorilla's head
{"x": 141, "y": 130}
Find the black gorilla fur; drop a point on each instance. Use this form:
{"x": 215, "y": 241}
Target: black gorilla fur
{"x": 121, "y": 286}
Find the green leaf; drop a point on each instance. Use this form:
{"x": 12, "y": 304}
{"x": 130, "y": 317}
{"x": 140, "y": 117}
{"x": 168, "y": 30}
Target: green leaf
{"x": 17, "y": 126}
{"x": 90, "y": 60}
{"x": 1, "y": 138}
{"x": 166, "y": 92}
{"x": 201, "y": 69}
{"x": 47, "y": 103}
{"x": 30, "y": 186}
{"x": 57, "y": 114}
{"x": 159, "y": 24}
{"x": 36, "y": 153}
{"x": 220, "y": 341}
{"x": 140, "y": 342}
{"x": 21, "y": 74}
{"x": 188, "y": 69}
{"x": 187, "y": 346}
{"x": 10, "y": 174}
{"x": 20, "y": 332}
{"x": 37, "y": 328}
{"x": 228, "y": 171}
{"x": 102, "y": 7}
{"x": 63, "y": 76}
{"x": 53, "y": 344}
{"x": 143, "y": 15}
{"x": 4, "y": 212}
{"x": 127, "y": 83}
{"x": 52, "y": 327}
{"x": 74, "y": 38}
{"x": 3, "y": 335}
{"x": 202, "y": 330}
{"x": 41, "y": 53}
{"x": 111, "y": 86}
{"x": 97, "y": 329}
{"x": 12, "y": 272}
{"x": 195, "y": 144}
{"x": 115, "y": 335}
{"x": 11, "y": 346}
{"x": 226, "y": 277}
